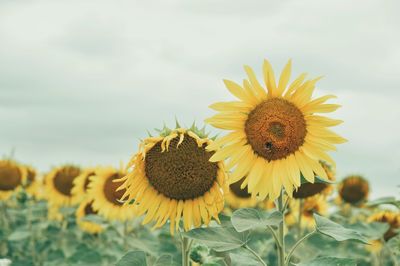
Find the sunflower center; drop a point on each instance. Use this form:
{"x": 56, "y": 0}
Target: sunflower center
{"x": 307, "y": 190}
{"x": 353, "y": 193}
{"x": 275, "y": 129}
{"x": 64, "y": 179}
{"x": 182, "y": 172}
{"x": 241, "y": 193}
{"x": 110, "y": 190}
{"x": 10, "y": 178}
{"x": 89, "y": 209}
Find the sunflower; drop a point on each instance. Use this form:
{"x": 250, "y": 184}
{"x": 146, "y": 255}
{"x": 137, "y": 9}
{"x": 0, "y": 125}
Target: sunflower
{"x": 59, "y": 183}
{"x": 389, "y": 217}
{"x": 85, "y": 208}
{"x": 12, "y": 176}
{"x": 172, "y": 177}
{"x": 276, "y": 135}
{"x": 310, "y": 189}
{"x": 353, "y": 190}
{"x": 32, "y": 183}
{"x": 106, "y": 199}
{"x": 309, "y": 206}
{"x": 81, "y": 183}
{"x": 237, "y": 197}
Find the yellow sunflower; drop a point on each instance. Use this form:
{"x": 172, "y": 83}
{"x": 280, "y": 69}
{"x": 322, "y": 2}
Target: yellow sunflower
{"x": 389, "y": 217}
{"x": 353, "y": 190}
{"x": 59, "y": 183}
{"x": 309, "y": 206}
{"x": 172, "y": 177}
{"x": 12, "y": 177}
{"x": 276, "y": 135}
{"x": 106, "y": 199}
{"x": 81, "y": 183}
{"x": 310, "y": 189}
{"x": 237, "y": 197}
{"x": 85, "y": 208}
{"x": 33, "y": 182}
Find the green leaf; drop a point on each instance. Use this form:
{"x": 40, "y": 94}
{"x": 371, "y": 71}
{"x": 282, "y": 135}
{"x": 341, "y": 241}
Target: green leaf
{"x": 246, "y": 219}
{"x": 329, "y": 261}
{"x": 19, "y": 235}
{"x": 137, "y": 258}
{"x": 384, "y": 200}
{"x": 337, "y": 231}
{"x": 218, "y": 238}
{"x": 164, "y": 260}
{"x": 394, "y": 244}
{"x": 371, "y": 230}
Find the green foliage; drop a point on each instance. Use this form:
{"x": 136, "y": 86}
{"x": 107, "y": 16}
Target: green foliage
{"x": 329, "y": 261}
{"x": 246, "y": 219}
{"x": 133, "y": 258}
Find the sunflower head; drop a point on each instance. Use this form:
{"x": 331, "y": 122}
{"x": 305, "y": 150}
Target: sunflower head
{"x": 275, "y": 133}
{"x": 12, "y": 176}
{"x": 310, "y": 189}
{"x": 172, "y": 177}
{"x": 354, "y": 189}
{"x": 102, "y": 188}
{"x": 238, "y": 197}
{"x": 59, "y": 183}
{"x": 389, "y": 217}
{"x": 81, "y": 184}
{"x": 84, "y": 209}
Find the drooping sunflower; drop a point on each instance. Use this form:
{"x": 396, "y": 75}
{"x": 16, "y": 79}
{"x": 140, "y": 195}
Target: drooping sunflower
{"x": 276, "y": 134}
{"x": 12, "y": 176}
{"x": 310, "y": 189}
{"x": 106, "y": 199}
{"x": 353, "y": 189}
{"x": 85, "y": 208}
{"x": 172, "y": 177}
{"x": 390, "y": 217}
{"x": 81, "y": 184}
{"x": 309, "y": 206}
{"x": 59, "y": 183}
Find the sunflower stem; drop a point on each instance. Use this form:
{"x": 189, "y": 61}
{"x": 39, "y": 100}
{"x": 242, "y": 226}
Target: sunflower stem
{"x": 281, "y": 234}
{"x": 186, "y": 244}
{"x": 296, "y": 245}
{"x": 299, "y": 231}
{"x": 255, "y": 255}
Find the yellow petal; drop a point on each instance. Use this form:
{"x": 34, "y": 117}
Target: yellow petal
{"x": 269, "y": 78}
{"x": 284, "y": 78}
{"x": 255, "y": 84}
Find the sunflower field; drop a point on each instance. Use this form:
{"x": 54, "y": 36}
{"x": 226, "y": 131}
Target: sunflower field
{"x": 264, "y": 191}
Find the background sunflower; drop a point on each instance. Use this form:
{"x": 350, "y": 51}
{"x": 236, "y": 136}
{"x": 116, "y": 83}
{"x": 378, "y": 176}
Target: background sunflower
{"x": 85, "y": 208}
{"x": 12, "y": 177}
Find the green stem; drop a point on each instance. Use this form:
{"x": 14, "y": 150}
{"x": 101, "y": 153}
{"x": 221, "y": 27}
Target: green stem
{"x": 274, "y": 235}
{"x": 255, "y": 255}
{"x": 296, "y": 245}
{"x": 186, "y": 244}
{"x": 299, "y": 231}
{"x": 281, "y": 233}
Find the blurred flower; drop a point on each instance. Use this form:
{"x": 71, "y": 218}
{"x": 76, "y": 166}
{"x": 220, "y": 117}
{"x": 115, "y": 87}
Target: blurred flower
{"x": 84, "y": 209}
{"x": 353, "y": 190}
{"x": 12, "y": 176}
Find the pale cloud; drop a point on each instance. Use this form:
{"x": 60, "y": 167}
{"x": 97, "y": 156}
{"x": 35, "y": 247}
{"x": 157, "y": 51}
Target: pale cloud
{"x": 80, "y": 81}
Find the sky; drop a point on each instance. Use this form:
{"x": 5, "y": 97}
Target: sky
{"x": 82, "y": 81}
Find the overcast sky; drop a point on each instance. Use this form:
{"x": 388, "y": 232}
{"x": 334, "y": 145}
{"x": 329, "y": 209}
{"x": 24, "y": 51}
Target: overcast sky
{"x": 81, "y": 81}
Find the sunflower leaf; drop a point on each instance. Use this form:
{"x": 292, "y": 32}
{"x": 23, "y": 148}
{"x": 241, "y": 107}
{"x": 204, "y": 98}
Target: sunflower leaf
{"x": 246, "y": 219}
{"x": 370, "y": 230}
{"x": 384, "y": 200}
{"x": 137, "y": 258}
{"x": 219, "y": 238}
{"x": 329, "y": 261}
{"x": 337, "y": 231}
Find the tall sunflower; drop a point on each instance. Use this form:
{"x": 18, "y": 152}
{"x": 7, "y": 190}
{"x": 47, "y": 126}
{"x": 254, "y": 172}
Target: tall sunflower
{"x": 276, "y": 134}
{"x": 59, "y": 183}
{"x": 310, "y": 189}
{"x": 353, "y": 189}
{"x": 172, "y": 177}
{"x": 81, "y": 184}
{"x": 106, "y": 199}
{"x": 85, "y": 208}
{"x": 12, "y": 176}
